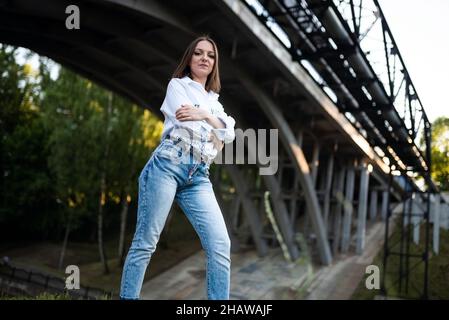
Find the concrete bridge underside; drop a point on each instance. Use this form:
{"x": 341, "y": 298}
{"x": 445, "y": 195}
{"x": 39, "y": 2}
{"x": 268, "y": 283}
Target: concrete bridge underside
{"x": 324, "y": 188}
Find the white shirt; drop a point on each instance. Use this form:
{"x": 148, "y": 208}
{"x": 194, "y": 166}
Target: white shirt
{"x": 187, "y": 91}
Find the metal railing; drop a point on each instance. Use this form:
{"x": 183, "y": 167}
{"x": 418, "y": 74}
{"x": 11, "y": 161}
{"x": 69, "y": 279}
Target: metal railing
{"x": 16, "y": 281}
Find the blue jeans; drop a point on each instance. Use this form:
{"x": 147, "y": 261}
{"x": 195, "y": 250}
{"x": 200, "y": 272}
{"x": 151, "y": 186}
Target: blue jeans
{"x": 173, "y": 173}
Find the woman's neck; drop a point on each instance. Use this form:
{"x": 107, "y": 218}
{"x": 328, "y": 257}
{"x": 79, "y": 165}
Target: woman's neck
{"x": 202, "y": 81}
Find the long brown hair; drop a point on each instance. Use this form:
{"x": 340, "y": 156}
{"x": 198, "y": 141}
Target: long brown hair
{"x": 183, "y": 69}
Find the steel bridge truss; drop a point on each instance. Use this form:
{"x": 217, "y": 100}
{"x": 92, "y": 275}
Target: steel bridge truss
{"x": 348, "y": 48}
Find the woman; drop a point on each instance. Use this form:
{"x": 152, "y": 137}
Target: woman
{"x": 195, "y": 129}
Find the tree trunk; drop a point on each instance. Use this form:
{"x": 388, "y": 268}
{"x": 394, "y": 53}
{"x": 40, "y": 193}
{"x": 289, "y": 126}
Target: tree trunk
{"x": 123, "y": 218}
{"x": 64, "y": 243}
{"x": 103, "y": 188}
{"x": 102, "y": 252}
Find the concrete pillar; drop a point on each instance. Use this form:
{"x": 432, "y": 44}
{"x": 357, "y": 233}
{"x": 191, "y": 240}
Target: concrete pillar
{"x": 314, "y": 170}
{"x": 327, "y": 190}
{"x": 315, "y": 162}
{"x": 384, "y": 209}
{"x": 436, "y": 224}
{"x": 444, "y": 217}
{"x": 418, "y": 212}
{"x": 348, "y": 210}
{"x": 294, "y": 200}
{"x": 362, "y": 209}
{"x": 416, "y": 232}
{"x": 373, "y": 205}
{"x": 339, "y": 197}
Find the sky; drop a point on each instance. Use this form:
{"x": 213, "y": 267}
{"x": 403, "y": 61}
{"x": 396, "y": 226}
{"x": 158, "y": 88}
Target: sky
{"x": 421, "y": 31}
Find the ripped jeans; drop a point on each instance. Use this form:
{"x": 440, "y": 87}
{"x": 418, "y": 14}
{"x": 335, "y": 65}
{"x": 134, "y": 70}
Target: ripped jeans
{"x": 173, "y": 173}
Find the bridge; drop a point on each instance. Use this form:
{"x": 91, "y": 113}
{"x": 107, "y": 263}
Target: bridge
{"x": 327, "y": 74}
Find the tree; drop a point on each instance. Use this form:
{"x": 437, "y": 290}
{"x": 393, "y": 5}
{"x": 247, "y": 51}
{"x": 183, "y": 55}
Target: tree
{"x": 69, "y": 147}
{"x": 70, "y": 114}
{"x": 440, "y": 152}
{"x": 25, "y": 182}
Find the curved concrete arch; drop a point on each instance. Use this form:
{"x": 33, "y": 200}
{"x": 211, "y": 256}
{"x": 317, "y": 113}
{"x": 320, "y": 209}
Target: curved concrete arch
{"x": 70, "y": 61}
{"x": 45, "y": 33}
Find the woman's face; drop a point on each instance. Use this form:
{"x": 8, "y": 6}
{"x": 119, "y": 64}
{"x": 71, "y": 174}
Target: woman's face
{"x": 203, "y": 60}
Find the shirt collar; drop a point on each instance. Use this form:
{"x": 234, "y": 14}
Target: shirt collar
{"x": 189, "y": 81}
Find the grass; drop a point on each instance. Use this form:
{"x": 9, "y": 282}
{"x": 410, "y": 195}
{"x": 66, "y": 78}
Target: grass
{"x": 47, "y": 296}
{"x": 438, "y": 271}
{"x": 42, "y": 296}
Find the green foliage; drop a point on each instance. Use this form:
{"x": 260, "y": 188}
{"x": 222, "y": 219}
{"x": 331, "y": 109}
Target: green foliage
{"x": 24, "y": 181}
{"x": 438, "y": 270}
{"x": 58, "y": 137}
{"x": 440, "y": 152}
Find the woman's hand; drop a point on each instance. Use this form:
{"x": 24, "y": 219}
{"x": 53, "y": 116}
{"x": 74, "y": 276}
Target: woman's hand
{"x": 218, "y": 144}
{"x": 189, "y": 113}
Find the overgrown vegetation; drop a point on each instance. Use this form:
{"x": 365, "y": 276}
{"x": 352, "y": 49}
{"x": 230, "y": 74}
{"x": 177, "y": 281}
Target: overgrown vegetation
{"x": 438, "y": 271}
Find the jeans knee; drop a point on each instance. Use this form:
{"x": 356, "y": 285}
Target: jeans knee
{"x": 221, "y": 246}
{"x": 141, "y": 252}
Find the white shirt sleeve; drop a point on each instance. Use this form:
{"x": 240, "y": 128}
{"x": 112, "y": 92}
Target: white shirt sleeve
{"x": 226, "y": 134}
{"x": 174, "y": 98}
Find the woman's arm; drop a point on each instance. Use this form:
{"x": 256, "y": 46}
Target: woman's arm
{"x": 223, "y": 125}
{"x": 178, "y": 107}
{"x": 174, "y": 98}
{"x": 215, "y": 122}
{"x": 225, "y": 130}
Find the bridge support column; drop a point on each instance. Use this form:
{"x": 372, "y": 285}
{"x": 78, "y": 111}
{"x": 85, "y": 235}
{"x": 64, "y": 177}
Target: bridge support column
{"x": 314, "y": 170}
{"x": 373, "y": 205}
{"x": 327, "y": 190}
{"x": 384, "y": 209}
{"x": 348, "y": 209}
{"x": 362, "y": 208}
{"x": 339, "y": 197}
{"x": 436, "y": 224}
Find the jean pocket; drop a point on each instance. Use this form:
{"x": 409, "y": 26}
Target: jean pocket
{"x": 168, "y": 149}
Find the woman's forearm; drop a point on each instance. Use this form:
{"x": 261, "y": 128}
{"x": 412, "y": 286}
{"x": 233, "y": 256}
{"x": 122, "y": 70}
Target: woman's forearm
{"x": 215, "y": 122}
